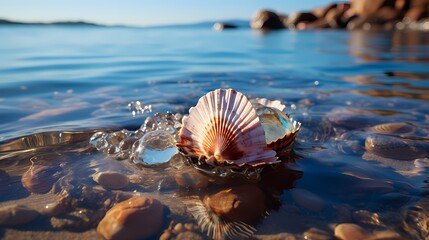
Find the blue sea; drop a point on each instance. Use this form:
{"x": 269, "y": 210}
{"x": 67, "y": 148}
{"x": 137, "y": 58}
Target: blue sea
{"x": 361, "y": 157}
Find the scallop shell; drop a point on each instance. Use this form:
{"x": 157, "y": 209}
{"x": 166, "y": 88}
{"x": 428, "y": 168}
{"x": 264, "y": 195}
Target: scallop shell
{"x": 280, "y": 129}
{"x": 224, "y": 129}
{"x": 269, "y": 103}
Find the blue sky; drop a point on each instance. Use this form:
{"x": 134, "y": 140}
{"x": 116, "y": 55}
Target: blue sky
{"x": 144, "y": 12}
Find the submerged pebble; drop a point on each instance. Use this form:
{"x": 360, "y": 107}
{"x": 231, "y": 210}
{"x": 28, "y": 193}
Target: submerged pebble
{"x": 39, "y": 179}
{"x": 242, "y": 203}
{"x": 78, "y": 220}
{"x": 308, "y": 199}
{"x": 399, "y": 127}
{"x": 395, "y": 148}
{"x": 135, "y": 218}
{"x": 111, "y": 180}
{"x": 316, "y": 234}
{"x": 188, "y": 236}
{"x": 15, "y": 215}
{"x": 349, "y": 231}
{"x": 191, "y": 178}
{"x": 59, "y": 206}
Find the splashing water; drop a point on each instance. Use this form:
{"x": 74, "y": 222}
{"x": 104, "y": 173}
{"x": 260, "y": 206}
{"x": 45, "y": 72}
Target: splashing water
{"x": 153, "y": 143}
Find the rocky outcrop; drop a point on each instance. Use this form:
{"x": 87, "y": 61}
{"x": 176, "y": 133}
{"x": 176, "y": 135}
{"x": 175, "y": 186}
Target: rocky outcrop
{"x": 355, "y": 14}
{"x": 265, "y": 19}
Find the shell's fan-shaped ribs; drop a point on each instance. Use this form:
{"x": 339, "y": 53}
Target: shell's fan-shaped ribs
{"x": 224, "y": 129}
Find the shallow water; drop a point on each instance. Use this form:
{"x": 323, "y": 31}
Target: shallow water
{"x": 59, "y": 85}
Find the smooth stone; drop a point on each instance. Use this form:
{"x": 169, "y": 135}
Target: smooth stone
{"x": 308, "y": 199}
{"x": 78, "y": 220}
{"x": 15, "y": 215}
{"x": 178, "y": 228}
{"x": 267, "y": 20}
{"x": 395, "y": 148}
{"x": 234, "y": 203}
{"x": 298, "y": 17}
{"x": 385, "y": 235}
{"x": 165, "y": 236}
{"x": 60, "y": 205}
{"x": 39, "y": 179}
{"x": 188, "y": 236}
{"x": 316, "y": 234}
{"x": 398, "y": 127}
{"x": 279, "y": 236}
{"x": 112, "y": 180}
{"x": 415, "y": 14}
{"x": 54, "y": 209}
{"x": 221, "y": 26}
{"x": 191, "y": 178}
{"x": 366, "y": 217}
{"x": 135, "y": 218}
{"x": 369, "y": 7}
{"x": 349, "y": 231}
{"x": 190, "y": 227}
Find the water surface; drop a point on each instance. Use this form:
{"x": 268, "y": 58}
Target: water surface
{"x": 59, "y": 85}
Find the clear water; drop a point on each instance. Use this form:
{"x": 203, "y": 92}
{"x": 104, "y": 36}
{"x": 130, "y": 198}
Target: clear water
{"x": 58, "y": 85}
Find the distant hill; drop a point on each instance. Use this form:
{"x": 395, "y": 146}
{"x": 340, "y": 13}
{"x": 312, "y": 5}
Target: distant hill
{"x": 62, "y": 23}
{"x": 207, "y": 24}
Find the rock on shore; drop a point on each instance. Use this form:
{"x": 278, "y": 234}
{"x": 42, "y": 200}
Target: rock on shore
{"x": 355, "y": 14}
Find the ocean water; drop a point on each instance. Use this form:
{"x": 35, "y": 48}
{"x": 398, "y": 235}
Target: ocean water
{"x": 59, "y": 85}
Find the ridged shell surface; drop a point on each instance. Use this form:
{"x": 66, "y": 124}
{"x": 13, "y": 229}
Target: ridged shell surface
{"x": 224, "y": 129}
{"x": 269, "y": 103}
{"x": 280, "y": 129}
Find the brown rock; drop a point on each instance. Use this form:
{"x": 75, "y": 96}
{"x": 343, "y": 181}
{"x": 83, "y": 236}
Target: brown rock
{"x": 265, "y": 19}
{"x": 369, "y": 7}
{"x": 135, "y": 218}
{"x": 234, "y": 204}
{"x": 385, "y": 235}
{"x": 402, "y": 5}
{"x": 15, "y": 215}
{"x": 308, "y": 199}
{"x": 78, "y": 220}
{"x": 300, "y": 17}
{"x": 112, "y": 180}
{"x": 60, "y": 205}
{"x": 165, "y": 236}
{"x": 319, "y": 23}
{"x": 188, "y": 236}
{"x": 415, "y": 14}
{"x": 221, "y": 26}
{"x": 317, "y": 234}
{"x": 39, "y": 179}
{"x": 349, "y": 231}
{"x": 191, "y": 178}
{"x": 321, "y": 12}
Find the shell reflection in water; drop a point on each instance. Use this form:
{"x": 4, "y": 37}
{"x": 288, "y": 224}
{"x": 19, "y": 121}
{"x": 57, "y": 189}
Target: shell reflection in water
{"x": 228, "y": 213}
{"x": 224, "y": 129}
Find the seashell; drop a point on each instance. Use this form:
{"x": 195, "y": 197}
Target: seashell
{"x": 223, "y": 129}
{"x": 280, "y": 130}
{"x": 226, "y": 215}
{"x": 268, "y": 103}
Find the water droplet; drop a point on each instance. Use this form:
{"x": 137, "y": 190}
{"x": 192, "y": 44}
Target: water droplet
{"x": 155, "y": 147}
